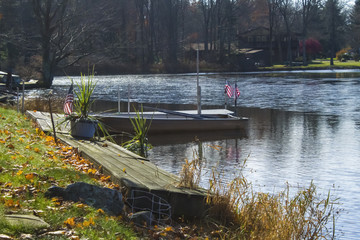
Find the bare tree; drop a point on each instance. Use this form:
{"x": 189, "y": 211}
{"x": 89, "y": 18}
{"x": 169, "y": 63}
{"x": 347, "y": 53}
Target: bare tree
{"x": 207, "y": 8}
{"x": 67, "y": 32}
{"x": 273, "y": 8}
{"x": 286, "y": 11}
{"x": 308, "y": 9}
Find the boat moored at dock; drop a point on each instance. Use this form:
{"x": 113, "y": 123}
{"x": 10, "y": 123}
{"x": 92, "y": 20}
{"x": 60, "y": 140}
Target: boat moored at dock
{"x": 165, "y": 121}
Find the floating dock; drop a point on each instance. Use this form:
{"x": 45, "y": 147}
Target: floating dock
{"x": 130, "y": 170}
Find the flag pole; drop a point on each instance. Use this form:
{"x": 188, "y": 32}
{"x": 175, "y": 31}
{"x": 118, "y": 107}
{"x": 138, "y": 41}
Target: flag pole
{"x": 235, "y": 96}
{"x": 198, "y": 84}
{"x": 225, "y": 95}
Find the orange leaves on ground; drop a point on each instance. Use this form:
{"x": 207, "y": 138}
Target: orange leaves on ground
{"x": 56, "y": 201}
{"x": 80, "y": 205}
{"x": 105, "y": 178}
{"x": 30, "y": 176}
{"x": 124, "y": 170}
{"x": 19, "y": 173}
{"x": 6, "y": 132}
{"x": 169, "y": 229}
{"x": 49, "y": 139}
{"x": 73, "y": 222}
{"x": 70, "y": 222}
{"x": 11, "y": 203}
{"x": 39, "y": 131}
{"x": 89, "y": 222}
{"x": 51, "y": 155}
{"x": 91, "y": 171}
{"x": 2, "y": 141}
{"x": 100, "y": 211}
{"x": 37, "y": 150}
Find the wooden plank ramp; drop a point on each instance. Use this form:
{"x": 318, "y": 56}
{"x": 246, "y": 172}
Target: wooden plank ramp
{"x": 130, "y": 170}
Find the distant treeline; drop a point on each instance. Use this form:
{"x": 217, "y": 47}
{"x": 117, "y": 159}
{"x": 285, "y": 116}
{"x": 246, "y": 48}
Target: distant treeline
{"x": 41, "y": 38}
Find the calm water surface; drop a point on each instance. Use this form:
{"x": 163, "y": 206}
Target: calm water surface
{"x": 304, "y": 126}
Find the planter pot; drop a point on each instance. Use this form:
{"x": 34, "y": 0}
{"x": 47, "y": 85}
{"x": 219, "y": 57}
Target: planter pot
{"x": 83, "y": 128}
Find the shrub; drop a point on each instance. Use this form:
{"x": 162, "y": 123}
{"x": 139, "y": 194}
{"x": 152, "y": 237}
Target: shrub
{"x": 343, "y": 54}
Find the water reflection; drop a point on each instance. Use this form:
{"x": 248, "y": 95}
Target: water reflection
{"x": 284, "y": 147}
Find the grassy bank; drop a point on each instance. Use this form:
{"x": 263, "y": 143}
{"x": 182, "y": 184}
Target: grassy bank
{"x": 317, "y": 64}
{"x": 30, "y": 163}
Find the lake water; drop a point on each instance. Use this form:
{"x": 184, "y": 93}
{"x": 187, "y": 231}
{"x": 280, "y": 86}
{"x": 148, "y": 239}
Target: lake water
{"x": 304, "y": 126}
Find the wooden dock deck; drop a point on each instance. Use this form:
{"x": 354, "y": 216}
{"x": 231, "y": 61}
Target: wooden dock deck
{"x": 130, "y": 170}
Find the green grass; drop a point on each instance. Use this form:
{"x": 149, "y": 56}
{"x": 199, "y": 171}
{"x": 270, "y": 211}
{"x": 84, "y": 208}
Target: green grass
{"x": 30, "y": 163}
{"x": 318, "y": 64}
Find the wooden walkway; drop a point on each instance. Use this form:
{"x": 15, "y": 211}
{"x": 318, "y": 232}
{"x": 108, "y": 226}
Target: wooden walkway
{"x": 130, "y": 170}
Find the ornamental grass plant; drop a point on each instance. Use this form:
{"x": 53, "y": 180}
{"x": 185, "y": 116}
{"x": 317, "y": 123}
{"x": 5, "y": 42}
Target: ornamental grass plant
{"x": 83, "y": 102}
{"x": 139, "y": 142}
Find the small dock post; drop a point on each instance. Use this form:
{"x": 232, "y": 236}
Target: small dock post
{"x": 128, "y": 98}
{"x": 119, "y": 110}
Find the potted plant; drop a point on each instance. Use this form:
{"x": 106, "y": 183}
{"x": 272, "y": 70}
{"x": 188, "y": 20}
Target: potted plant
{"x": 82, "y": 125}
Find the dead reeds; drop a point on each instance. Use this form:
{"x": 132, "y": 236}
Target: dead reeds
{"x": 190, "y": 174}
{"x": 237, "y": 212}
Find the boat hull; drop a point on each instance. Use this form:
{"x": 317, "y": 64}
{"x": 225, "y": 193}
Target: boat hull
{"x": 162, "y": 124}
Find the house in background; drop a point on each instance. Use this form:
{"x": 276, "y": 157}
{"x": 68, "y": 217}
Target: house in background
{"x": 258, "y": 39}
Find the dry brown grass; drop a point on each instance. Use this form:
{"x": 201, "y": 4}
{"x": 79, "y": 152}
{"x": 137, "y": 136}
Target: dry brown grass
{"x": 237, "y": 212}
{"x": 190, "y": 174}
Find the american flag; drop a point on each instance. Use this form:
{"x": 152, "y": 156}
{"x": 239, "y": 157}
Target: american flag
{"x": 68, "y": 105}
{"x": 228, "y": 90}
{"x": 237, "y": 92}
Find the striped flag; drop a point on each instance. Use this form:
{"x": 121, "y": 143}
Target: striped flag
{"x": 228, "y": 90}
{"x": 68, "y": 105}
{"x": 237, "y": 92}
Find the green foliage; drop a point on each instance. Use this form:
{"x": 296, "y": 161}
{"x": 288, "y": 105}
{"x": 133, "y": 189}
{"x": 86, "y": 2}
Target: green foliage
{"x": 86, "y": 88}
{"x": 139, "y": 143}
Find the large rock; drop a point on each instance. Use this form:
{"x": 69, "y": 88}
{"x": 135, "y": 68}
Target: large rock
{"x": 107, "y": 199}
{"x": 5, "y": 237}
{"x": 26, "y": 221}
{"x": 143, "y": 218}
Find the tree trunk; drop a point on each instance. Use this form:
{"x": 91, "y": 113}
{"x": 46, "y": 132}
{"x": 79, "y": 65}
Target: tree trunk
{"x": 304, "y": 51}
